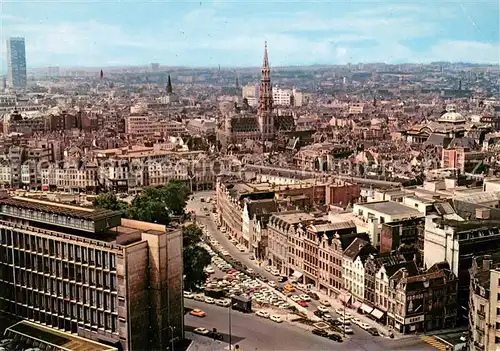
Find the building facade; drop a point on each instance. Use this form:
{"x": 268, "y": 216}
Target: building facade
{"x": 16, "y": 63}
{"x": 91, "y": 273}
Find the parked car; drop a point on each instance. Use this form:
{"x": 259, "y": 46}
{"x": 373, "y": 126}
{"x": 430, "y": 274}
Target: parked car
{"x": 263, "y": 314}
{"x": 325, "y": 303}
{"x": 314, "y": 296}
{"x": 335, "y": 337}
{"x": 346, "y": 329}
{"x": 276, "y": 319}
{"x": 344, "y": 321}
{"x": 302, "y": 303}
{"x": 373, "y": 331}
{"x": 201, "y": 331}
{"x": 320, "y": 332}
{"x": 323, "y": 309}
{"x": 318, "y": 313}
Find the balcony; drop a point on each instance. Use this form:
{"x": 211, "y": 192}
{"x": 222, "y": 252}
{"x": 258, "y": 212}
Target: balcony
{"x": 480, "y": 328}
{"x": 481, "y": 314}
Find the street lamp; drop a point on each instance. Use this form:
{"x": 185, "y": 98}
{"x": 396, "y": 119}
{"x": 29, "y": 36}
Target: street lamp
{"x": 171, "y": 337}
{"x": 230, "y": 324}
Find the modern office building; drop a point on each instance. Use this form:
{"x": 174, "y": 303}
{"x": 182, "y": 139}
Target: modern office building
{"x": 16, "y": 63}
{"x": 91, "y": 273}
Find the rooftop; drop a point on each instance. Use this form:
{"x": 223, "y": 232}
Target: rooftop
{"x": 392, "y": 208}
{"x": 54, "y": 338}
{"x": 61, "y": 209}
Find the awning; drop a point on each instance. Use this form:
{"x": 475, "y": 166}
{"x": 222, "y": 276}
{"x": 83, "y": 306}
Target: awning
{"x": 356, "y": 304}
{"x": 344, "y": 297}
{"x": 366, "y": 309}
{"x": 377, "y": 313}
{"x": 297, "y": 274}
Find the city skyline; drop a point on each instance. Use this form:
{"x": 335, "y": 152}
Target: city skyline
{"x": 206, "y": 34}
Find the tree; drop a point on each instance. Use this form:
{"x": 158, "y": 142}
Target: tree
{"x": 195, "y": 257}
{"x": 175, "y": 196}
{"x": 148, "y": 209}
{"x": 109, "y": 201}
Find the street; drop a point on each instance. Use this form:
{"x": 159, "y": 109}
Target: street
{"x": 251, "y": 332}
{"x": 262, "y": 334}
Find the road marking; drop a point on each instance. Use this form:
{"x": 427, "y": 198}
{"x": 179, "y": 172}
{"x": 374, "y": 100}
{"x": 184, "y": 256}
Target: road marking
{"x": 434, "y": 342}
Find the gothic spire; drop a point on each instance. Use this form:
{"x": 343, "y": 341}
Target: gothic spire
{"x": 169, "y": 85}
{"x": 265, "y": 63}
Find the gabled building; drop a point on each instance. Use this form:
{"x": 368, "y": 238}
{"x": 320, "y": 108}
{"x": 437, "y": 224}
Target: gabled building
{"x": 423, "y": 302}
{"x": 354, "y": 269}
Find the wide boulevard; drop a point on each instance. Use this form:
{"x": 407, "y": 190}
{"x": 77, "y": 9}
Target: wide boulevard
{"x": 251, "y": 332}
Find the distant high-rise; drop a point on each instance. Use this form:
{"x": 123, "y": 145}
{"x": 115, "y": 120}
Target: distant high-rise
{"x": 169, "y": 86}
{"x": 16, "y": 63}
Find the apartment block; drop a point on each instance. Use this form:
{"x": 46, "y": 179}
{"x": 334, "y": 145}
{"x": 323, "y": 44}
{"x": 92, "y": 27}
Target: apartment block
{"x": 91, "y": 273}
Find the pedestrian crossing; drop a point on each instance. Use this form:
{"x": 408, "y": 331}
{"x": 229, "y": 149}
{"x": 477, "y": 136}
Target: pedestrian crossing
{"x": 434, "y": 342}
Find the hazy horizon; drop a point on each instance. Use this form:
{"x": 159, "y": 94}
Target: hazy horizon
{"x": 232, "y": 33}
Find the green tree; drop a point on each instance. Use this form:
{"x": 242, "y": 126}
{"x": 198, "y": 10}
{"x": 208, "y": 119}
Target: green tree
{"x": 175, "y": 196}
{"x": 109, "y": 201}
{"x": 195, "y": 257}
{"x": 148, "y": 209}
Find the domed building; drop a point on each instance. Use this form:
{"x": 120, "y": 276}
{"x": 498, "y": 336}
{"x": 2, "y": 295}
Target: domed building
{"x": 449, "y": 126}
{"x": 452, "y": 116}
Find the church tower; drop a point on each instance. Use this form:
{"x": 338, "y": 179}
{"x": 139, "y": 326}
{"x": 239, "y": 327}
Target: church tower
{"x": 265, "y": 110}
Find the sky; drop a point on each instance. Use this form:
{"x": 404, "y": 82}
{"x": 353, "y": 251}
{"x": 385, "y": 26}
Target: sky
{"x": 232, "y": 33}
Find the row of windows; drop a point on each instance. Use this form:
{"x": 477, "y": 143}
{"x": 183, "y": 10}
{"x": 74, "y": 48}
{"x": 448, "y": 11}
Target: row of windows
{"x": 64, "y": 318}
{"x": 56, "y": 248}
{"x": 67, "y": 291}
{"x": 57, "y": 270}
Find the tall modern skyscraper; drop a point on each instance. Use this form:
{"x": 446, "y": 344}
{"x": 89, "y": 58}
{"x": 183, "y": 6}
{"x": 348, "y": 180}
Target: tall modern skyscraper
{"x": 16, "y": 63}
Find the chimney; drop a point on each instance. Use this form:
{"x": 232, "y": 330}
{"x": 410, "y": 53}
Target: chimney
{"x": 487, "y": 263}
{"x": 405, "y": 273}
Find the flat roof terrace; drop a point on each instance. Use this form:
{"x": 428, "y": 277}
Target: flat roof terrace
{"x": 392, "y": 208}
{"x": 60, "y": 209}
{"x": 27, "y": 333}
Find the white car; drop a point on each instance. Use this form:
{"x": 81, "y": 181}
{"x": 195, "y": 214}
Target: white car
{"x": 344, "y": 321}
{"x": 365, "y": 326}
{"x": 209, "y": 270}
{"x": 305, "y": 298}
{"x": 188, "y": 294}
{"x": 346, "y": 329}
{"x": 250, "y": 270}
{"x": 295, "y": 298}
{"x": 356, "y": 321}
{"x": 344, "y": 313}
{"x": 322, "y": 309}
{"x": 325, "y": 303}
{"x": 202, "y": 331}
{"x": 209, "y": 300}
{"x": 223, "y": 302}
{"x": 263, "y": 314}
{"x": 275, "y": 272}
{"x": 272, "y": 284}
{"x": 276, "y": 319}
{"x": 199, "y": 297}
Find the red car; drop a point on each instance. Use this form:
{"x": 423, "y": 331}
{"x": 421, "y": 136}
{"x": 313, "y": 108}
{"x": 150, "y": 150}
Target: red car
{"x": 231, "y": 271}
{"x": 303, "y": 304}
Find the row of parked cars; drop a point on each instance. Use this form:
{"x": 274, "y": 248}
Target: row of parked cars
{"x": 344, "y": 321}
